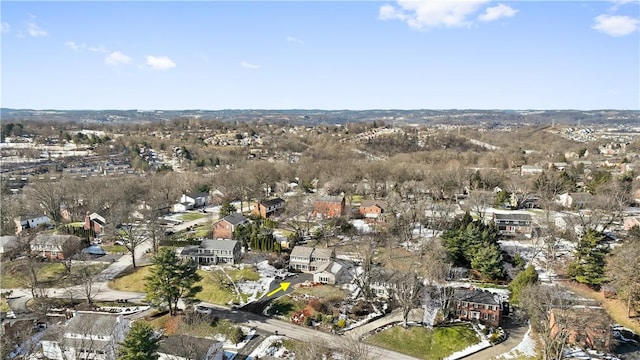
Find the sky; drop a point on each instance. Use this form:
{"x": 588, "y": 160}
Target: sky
{"x": 332, "y": 55}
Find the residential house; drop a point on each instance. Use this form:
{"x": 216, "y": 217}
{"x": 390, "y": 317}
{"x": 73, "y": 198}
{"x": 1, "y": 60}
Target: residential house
{"x": 9, "y": 245}
{"x": 385, "y": 283}
{"x": 212, "y": 252}
{"x": 587, "y": 327}
{"x": 196, "y": 200}
{"x": 185, "y": 347}
{"x": 526, "y": 170}
{"x": 309, "y": 259}
{"x": 54, "y": 247}
{"x": 575, "y": 200}
{"x": 87, "y": 335}
{"x": 512, "y": 224}
{"x": 223, "y": 228}
{"x": 331, "y": 273}
{"x": 30, "y": 222}
{"x": 94, "y": 222}
{"x": 478, "y": 305}
{"x": 329, "y": 206}
{"x": 267, "y": 208}
{"x": 373, "y": 210}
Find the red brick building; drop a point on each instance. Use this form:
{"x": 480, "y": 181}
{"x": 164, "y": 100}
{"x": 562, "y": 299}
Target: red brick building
{"x": 223, "y": 228}
{"x": 94, "y": 222}
{"x": 267, "y": 208}
{"x": 373, "y": 210}
{"x": 329, "y": 206}
{"x": 479, "y": 305}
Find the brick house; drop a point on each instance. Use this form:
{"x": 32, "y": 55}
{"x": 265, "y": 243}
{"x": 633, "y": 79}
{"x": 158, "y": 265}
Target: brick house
{"x": 94, "y": 222}
{"x": 223, "y": 228}
{"x": 329, "y": 206}
{"x": 213, "y": 252}
{"x": 479, "y": 305}
{"x": 373, "y": 210}
{"x": 585, "y": 326}
{"x": 309, "y": 259}
{"x": 53, "y": 246}
{"x": 267, "y": 208}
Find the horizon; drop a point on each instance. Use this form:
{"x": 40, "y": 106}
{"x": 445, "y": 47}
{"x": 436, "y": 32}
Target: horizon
{"x": 338, "y": 56}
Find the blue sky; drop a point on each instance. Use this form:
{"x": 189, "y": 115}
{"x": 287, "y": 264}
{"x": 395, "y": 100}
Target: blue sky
{"x": 321, "y": 55}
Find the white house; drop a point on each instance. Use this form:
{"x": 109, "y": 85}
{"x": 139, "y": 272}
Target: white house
{"x": 87, "y": 335}
{"x": 30, "y": 222}
{"x": 331, "y": 273}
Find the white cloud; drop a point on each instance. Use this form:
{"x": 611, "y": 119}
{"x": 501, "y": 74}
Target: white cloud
{"x": 615, "y": 25}
{"x": 428, "y": 13}
{"x": 34, "y": 30}
{"x": 98, "y": 49}
{"x": 72, "y": 45}
{"x": 160, "y": 62}
{"x": 5, "y": 27}
{"x": 117, "y": 58}
{"x": 292, "y": 39}
{"x": 497, "y": 12}
{"x": 248, "y": 65}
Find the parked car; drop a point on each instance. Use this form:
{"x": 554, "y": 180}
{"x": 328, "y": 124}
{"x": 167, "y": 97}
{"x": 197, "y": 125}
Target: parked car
{"x": 203, "y": 310}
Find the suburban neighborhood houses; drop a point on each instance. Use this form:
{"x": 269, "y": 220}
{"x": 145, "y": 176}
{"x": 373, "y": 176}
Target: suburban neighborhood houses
{"x": 274, "y": 239}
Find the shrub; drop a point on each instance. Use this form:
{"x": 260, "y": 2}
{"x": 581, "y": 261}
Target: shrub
{"x": 342, "y": 323}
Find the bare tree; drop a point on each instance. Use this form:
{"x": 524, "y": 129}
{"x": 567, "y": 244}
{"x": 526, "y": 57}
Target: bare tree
{"x": 547, "y": 308}
{"x": 623, "y": 269}
{"x": 46, "y": 196}
{"x": 87, "y": 279}
{"x": 407, "y": 292}
{"x": 132, "y": 235}
{"x": 351, "y": 348}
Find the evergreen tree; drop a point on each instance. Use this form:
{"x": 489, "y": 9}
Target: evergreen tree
{"x": 588, "y": 266}
{"x": 527, "y": 277}
{"x": 172, "y": 279}
{"x": 227, "y": 209}
{"x": 139, "y": 344}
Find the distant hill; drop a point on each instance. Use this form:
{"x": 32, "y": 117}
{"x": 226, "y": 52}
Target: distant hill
{"x": 314, "y": 117}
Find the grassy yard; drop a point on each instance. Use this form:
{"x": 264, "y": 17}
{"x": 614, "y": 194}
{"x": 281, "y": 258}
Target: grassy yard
{"x": 616, "y": 308}
{"x": 424, "y": 343}
{"x": 213, "y": 289}
{"x": 191, "y": 216}
{"x": 49, "y": 273}
{"x": 132, "y": 280}
{"x": 114, "y": 249}
{"x": 287, "y": 305}
{"x": 4, "y": 305}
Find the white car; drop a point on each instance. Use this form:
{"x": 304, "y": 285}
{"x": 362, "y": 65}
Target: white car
{"x": 203, "y": 310}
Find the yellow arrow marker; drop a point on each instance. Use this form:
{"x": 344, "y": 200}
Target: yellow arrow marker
{"x": 283, "y": 286}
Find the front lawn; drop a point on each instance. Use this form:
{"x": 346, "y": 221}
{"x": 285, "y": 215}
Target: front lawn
{"x": 216, "y": 286}
{"x": 191, "y": 216}
{"x": 131, "y": 280}
{"x": 298, "y": 300}
{"x": 423, "y": 343}
{"x": 13, "y": 273}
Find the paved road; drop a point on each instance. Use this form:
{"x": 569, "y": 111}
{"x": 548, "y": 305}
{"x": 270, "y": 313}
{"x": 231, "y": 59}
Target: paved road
{"x": 296, "y": 332}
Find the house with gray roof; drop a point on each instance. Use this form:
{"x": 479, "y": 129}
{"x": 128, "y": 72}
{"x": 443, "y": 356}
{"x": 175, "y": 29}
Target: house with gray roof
{"x": 54, "y": 246}
{"x": 212, "y": 252}
{"x": 224, "y": 228}
{"x": 8, "y": 245}
{"x": 87, "y": 335}
{"x": 309, "y": 259}
{"x": 513, "y": 224}
{"x": 478, "y": 305}
{"x": 185, "y": 347}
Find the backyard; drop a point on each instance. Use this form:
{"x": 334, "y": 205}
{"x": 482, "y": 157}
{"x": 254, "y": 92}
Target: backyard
{"x": 423, "y": 343}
